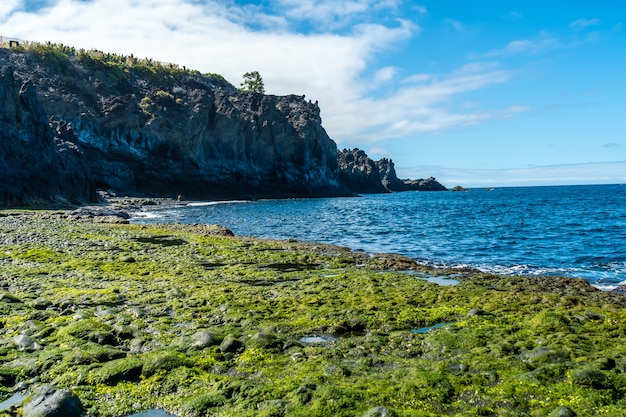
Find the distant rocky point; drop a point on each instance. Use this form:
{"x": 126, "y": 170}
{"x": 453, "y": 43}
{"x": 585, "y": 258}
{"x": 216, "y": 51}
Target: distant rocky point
{"x": 364, "y": 175}
{"x": 75, "y": 121}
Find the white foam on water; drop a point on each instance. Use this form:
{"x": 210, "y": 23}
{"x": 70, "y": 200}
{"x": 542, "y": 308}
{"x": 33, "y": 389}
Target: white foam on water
{"x": 215, "y": 203}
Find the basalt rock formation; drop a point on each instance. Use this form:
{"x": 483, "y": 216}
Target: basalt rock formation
{"x": 359, "y": 172}
{"x": 37, "y": 162}
{"x": 364, "y": 175}
{"x": 146, "y": 129}
{"x": 74, "y": 122}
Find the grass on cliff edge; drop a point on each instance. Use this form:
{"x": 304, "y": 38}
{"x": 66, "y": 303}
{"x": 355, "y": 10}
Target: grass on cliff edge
{"x": 132, "y": 317}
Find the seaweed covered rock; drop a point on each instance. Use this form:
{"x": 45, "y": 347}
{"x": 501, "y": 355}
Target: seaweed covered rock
{"x": 48, "y": 401}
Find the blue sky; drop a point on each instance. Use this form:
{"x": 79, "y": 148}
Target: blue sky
{"x": 481, "y": 93}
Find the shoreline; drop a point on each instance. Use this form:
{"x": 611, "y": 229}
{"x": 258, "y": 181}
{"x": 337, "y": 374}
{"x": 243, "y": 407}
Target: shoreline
{"x": 121, "y": 209}
{"x": 183, "y": 318}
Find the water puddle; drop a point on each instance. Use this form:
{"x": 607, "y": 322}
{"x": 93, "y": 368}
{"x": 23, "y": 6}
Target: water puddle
{"x": 443, "y": 281}
{"x": 16, "y": 399}
{"x": 425, "y": 330}
{"x": 317, "y": 340}
{"x": 153, "y": 413}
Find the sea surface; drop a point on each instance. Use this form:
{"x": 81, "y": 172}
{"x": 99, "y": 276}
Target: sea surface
{"x": 576, "y": 231}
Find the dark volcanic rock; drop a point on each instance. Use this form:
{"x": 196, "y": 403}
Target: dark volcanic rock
{"x": 73, "y": 122}
{"x": 390, "y": 180}
{"x": 50, "y": 402}
{"x": 360, "y": 173}
{"x": 155, "y": 131}
{"x": 37, "y": 162}
{"x": 428, "y": 184}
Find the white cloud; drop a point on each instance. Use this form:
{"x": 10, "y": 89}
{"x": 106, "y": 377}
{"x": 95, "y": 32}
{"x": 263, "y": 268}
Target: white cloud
{"x": 332, "y": 13}
{"x": 583, "y": 23}
{"x": 384, "y": 75}
{"x": 542, "y": 43}
{"x": 377, "y": 152}
{"x": 455, "y": 24}
{"x": 327, "y": 66}
{"x": 420, "y": 9}
{"x": 420, "y": 108}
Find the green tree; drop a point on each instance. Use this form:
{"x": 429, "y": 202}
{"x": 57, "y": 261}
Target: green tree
{"x": 253, "y": 83}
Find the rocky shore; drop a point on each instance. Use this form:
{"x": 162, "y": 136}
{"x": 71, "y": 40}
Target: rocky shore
{"x": 113, "y": 318}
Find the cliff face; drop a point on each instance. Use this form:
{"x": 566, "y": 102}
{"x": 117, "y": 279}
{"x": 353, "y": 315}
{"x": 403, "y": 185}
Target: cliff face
{"x": 364, "y": 175}
{"x": 157, "y": 131}
{"x": 36, "y": 162}
{"x": 359, "y": 172}
{"x": 72, "y": 122}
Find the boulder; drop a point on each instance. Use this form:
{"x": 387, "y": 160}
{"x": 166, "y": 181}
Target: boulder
{"x": 230, "y": 344}
{"x": 48, "y": 401}
{"x": 459, "y": 188}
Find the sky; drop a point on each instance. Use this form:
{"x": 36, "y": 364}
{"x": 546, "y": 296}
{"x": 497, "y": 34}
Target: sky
{"x": 476, "y": 93}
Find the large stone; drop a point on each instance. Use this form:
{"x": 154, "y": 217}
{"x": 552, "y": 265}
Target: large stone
{"x": 51, "y": 402}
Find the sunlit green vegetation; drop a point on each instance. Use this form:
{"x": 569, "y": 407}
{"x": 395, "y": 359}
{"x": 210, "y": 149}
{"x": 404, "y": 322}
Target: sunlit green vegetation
{"x": 59, "y": 59}
{"x": 132, "y": 317}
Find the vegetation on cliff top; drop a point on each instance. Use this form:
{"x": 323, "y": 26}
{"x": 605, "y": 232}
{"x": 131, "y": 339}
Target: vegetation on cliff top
{"x": 133, "y": 317}
{"x": 59, "y": 58}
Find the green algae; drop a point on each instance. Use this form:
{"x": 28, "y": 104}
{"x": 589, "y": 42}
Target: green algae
{"x": 134, "y": 317}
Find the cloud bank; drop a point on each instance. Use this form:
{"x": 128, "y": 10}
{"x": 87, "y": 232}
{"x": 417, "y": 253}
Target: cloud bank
{"x": 322, "y": 49}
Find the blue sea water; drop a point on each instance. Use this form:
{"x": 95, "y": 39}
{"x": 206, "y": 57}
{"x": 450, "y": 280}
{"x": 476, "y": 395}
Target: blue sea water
{"x": 576, "y": 231}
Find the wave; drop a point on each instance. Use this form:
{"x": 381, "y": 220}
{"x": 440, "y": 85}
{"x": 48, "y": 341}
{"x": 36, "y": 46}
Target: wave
{"x": 215, "y": 203}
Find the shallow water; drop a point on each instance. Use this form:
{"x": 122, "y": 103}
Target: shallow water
{"x": 424, "y": 330}
{"x": 15, "y": 399}
{"x": 313, "y": 340}
{"x": 576, "y": 231}
{"x": 152, "y": 413}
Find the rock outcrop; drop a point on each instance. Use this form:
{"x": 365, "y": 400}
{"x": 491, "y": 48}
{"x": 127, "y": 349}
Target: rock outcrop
{"x": 164, "y": 132}
{"x": 74, "y": 122}
{"x": 364, "y": 175}
{"x": 359, "y": 172}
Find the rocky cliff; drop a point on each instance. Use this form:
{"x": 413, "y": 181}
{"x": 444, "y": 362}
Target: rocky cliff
{"x": 146, "y": 129}
{"x": 80, "y": 120}
{"x": 364, "y": 175}
{"x": 37, "y": 163}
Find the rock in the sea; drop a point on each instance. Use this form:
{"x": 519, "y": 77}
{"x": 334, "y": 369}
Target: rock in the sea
{"x": 359, "y": 173}
{"x": 48, "y": 401}
{"x": 459, "y": 188}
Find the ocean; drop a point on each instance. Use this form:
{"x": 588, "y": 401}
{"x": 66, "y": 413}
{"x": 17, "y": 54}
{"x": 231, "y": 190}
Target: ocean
{"x": 574, "y": 231}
